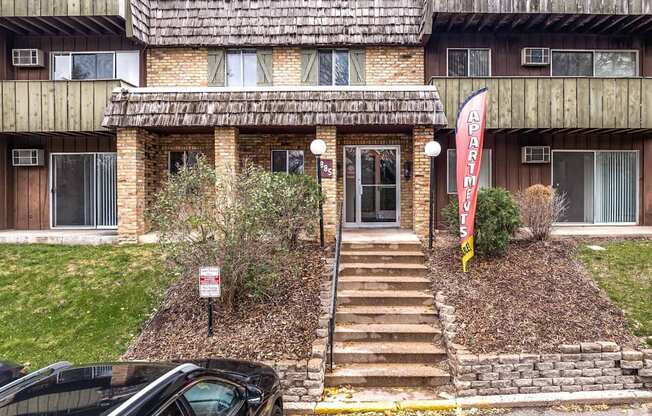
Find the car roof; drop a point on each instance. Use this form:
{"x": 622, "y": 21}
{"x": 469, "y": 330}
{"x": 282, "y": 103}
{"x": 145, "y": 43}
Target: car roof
{"x": 88, "y": 389}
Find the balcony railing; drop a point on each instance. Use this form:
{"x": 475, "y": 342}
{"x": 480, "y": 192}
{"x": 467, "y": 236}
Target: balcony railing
{"x": 54, "y": 106}
{"x": 550, "y": 102}
{"x": 42, "y": 8}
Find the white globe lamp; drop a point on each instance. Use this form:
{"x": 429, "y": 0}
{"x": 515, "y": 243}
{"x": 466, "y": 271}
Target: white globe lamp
{"x": 432, "y": 149}
{"x": 318, "y": 147}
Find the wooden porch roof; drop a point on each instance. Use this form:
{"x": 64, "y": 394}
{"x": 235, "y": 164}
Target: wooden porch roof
{"x": 295, "y": 107}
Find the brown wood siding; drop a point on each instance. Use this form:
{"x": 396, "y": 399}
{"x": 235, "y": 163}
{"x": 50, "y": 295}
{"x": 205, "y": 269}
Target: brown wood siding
{"x": 27, "y": 188}
{"x": 506, "y": 50}
{"x": 61, "y": 44}
{"x": 508, "y": 172}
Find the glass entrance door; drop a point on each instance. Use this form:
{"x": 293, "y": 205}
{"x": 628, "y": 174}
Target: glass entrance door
{"x": 84, "y": 190}
{"x": 371, "y": 186}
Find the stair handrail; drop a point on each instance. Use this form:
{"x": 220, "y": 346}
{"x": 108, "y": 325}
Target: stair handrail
{"x": 334, "y": 281}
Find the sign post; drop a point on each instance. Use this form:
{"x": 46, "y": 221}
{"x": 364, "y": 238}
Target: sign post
{"x": 210, "y": 286}
{"x": 469, "y": 138}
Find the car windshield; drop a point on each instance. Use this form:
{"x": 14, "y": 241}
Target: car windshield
{"x": 89, "y": 391}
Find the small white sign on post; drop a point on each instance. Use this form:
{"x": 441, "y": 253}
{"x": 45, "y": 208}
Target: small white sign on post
{"x": 209, "y": 282}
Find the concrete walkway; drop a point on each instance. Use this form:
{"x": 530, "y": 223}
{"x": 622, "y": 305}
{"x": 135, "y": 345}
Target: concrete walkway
{"x": 69, "y": 237}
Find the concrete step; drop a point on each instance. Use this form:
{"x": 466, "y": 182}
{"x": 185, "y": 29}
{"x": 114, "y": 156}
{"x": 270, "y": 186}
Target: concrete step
{"x": 386, "y": 314}
{"x": 387, "y": 352}
{"x": 372, "y": 256}
{"x": 382, "y": 269}
{"x": 383, "y": 283}
{"x": 387, "y": 333}
{"x": 387, "y": 375}
{"x": 384, "y": 297}
{"x": 380, "y": 245}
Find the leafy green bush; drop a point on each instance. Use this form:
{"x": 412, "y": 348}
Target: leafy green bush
{"x": 496, "y": 220}
{"x": 243, "y": 222}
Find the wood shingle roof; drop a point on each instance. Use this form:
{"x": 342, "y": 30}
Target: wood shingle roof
{"x": 307, "y": 106}
{"x": 239, "y": 23}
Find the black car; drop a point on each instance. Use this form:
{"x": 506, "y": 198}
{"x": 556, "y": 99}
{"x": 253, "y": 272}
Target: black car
{"x": 200, "y": 388}
{"x": 10, "y": 371}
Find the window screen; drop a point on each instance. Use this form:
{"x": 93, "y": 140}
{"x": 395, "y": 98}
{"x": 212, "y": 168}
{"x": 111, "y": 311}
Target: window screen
{"x": 333, "y": 67}
{"x": 469, "y": 62}
{"x": 485, "y": 170}
{"x": 287, "y": 161}
{"x": 615, "y": 64}
{"x": 572, "y": 64}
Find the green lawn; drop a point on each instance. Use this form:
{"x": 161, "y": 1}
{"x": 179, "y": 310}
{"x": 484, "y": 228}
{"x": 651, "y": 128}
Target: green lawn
{"x": 75, "y": 303}
{"x": 624, "y": 271}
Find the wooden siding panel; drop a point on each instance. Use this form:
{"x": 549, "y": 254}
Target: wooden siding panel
{"x": 35, "y": 107}
{"x": 555, "y": 102}
{"x": 59, "y": 7}
{"x": 22, "y": 106}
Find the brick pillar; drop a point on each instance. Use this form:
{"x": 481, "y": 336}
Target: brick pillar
{"x": 131, "y": 165}
{"x": 226, "y": 149}
{"x": 329, "y": 185}
{"x": 421, "y": 192}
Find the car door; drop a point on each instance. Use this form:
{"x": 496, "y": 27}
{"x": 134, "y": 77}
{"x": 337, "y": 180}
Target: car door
{"x": 207, "y": 397}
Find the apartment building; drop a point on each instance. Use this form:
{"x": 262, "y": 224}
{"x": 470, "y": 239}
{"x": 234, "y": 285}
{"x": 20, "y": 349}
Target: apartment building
{"x": 236, "y": 81}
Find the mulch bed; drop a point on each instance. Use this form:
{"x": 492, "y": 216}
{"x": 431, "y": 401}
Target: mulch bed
{"x": 279, "y": 328}
{"x": 533, "y": 299}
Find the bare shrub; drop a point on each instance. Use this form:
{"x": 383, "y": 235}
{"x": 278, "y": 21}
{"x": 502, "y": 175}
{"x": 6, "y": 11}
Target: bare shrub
{"x": 205, "y": 217}
{"x": 541, "y": 206}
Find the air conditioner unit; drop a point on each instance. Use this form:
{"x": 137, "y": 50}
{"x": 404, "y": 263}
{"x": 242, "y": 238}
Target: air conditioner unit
{"x": 535, "y": 154}
{"x": 535, "y": 57}
{"x": 27, "y": 57}
{"x": 28, "y": 157}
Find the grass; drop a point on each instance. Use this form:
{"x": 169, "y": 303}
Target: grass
{"x": 624, "y": 271}
{"x": 76, "y": 303}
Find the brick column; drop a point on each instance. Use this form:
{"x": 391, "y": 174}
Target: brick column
{"x": 421, "y": 192}
{"x": 131, "y": 145}
{"x": 226, "y": 149}
{"x": 329, "y": 185}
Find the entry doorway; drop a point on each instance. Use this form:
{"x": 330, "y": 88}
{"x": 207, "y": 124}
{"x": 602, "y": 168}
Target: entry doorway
{"x": 372, "y": 192}
{"x": 601, "y": 186}
{"x": 83, "y": 189}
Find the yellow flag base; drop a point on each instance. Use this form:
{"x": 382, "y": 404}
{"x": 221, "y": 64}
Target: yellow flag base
{"x": 467, "y": 253}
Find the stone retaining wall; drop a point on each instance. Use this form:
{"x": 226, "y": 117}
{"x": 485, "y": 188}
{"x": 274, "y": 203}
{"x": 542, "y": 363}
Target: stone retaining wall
{"x": 586, "y": 366}
{"x": 303, "y": 380}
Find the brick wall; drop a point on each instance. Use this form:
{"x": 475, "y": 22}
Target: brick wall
{"x": 137, "y": 181}
{"x": 286, "y": 66}
{"x": 257, "y": 149}
{"x": 203, "y": 142}
{"x": 587, "y": 366}
{"x": 421, "y": 185}
{"x": 385, "y": 65}
{"x": 394, "y": 66}
{"x": 405, "y": 143}
{"x": 177, "y": 67}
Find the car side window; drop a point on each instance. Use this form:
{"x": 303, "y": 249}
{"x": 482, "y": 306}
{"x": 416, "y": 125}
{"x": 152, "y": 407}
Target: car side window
{"x": 211, "y": 398}
{"x": 172, "y": 410}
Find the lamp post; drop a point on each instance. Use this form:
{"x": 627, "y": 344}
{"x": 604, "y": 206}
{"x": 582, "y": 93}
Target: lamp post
{"x": 318, "y": 147}
{"x": 432, "y": 149}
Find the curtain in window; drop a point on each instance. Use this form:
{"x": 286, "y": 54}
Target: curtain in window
{"x": 485, "y": 170}
{"x": 479, "y": 63}
{"x": 233, "y": 69}
{"x": 326, "y": 67}
{"x": 458, "y": 60}
{"x": 616, "y": 187}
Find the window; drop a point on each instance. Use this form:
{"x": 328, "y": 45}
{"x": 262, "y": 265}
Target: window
{"x": 211, "y": 398}
{"x": 485, "y": 170}
{"x": 288, "y": 161}
{"x": 241, "y": 68}
{"x": 594, "y": 63}
{"x": 180, "y": 159}
{"x": 333, "y": 67}
{"x": 469, "y": 62}
{"x": 124, "y": 65}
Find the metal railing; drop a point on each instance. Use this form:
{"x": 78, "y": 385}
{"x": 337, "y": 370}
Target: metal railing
{"x": 336, "y": 275}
